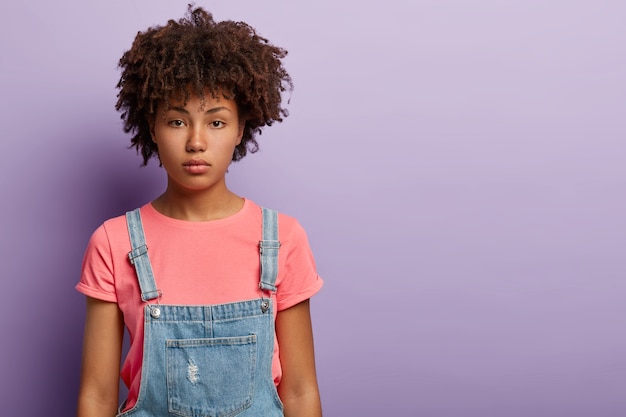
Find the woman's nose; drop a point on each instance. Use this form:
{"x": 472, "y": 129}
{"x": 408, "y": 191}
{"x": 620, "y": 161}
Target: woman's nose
{"x": 197, "y": 141}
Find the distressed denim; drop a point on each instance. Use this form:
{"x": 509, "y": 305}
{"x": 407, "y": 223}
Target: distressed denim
{"x": 207, "y": 361}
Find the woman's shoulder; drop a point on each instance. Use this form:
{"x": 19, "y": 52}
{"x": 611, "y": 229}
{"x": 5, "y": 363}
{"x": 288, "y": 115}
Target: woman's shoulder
{"x": 287, "y": 224}
{"x": 112, "y": 231}
{"x": 290, "y": 230}
{"x": 119, "y": 222}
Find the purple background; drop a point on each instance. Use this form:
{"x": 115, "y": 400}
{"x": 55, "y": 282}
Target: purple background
{"x": 459, "y": 167}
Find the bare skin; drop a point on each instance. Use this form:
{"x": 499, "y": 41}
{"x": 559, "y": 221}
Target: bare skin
{"x": 196, "y": 142}
{"x": 102, "y": 351}
{"x": 298, "y": 388}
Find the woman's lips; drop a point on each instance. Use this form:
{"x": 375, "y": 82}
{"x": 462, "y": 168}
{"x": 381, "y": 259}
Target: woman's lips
{"x": 196, "y": 166}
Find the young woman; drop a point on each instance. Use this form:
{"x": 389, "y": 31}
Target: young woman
{"x": 213, "y": 289}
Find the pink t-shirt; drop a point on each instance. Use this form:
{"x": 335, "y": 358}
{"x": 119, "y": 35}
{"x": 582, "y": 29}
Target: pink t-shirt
{"x": 194, "y": 263}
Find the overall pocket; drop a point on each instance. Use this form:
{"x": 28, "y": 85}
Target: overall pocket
{"x": 210, "y": 377}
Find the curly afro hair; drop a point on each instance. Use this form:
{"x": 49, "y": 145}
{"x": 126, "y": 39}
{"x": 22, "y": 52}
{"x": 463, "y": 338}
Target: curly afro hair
{"x": 195, "y": 55}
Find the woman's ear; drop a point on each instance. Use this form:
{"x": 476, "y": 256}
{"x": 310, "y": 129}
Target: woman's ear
{"x": 242, "y": 126}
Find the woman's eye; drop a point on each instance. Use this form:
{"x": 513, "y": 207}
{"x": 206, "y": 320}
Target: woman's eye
{"x": 217, "y": 123}
{"x": 176, "y": 123}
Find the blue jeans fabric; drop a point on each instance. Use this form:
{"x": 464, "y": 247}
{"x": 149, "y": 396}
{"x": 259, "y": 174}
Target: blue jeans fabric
{"x": 207, "y": 361}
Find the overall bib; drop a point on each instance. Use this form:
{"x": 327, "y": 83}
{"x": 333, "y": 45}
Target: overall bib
{"x": 212, "y": 360}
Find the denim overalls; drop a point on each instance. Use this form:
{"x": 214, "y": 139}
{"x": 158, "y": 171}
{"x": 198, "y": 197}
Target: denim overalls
{"x": 213, "y": 360}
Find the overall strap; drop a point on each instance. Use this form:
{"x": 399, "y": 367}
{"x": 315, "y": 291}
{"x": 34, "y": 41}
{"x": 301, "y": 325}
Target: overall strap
{"x": 268, "y": 250}
{"x": 138, "y": 257}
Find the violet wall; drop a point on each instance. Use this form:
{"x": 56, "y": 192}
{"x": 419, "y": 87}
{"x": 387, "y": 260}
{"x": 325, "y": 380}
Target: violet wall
{"x": 458, "y": 165}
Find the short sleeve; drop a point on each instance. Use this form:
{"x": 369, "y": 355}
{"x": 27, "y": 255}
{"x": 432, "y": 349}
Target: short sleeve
{"x": 97, "y": 276}
{"x": 297, "y": 275}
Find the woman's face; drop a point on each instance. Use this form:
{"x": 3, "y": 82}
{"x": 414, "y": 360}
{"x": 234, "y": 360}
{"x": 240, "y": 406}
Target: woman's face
{"x": 196, "y": 141}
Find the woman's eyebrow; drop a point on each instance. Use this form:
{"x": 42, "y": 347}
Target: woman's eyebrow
{"x": 216, "y": 109}
{"x": 178, "y": 109}
{"x": 209, "y": 111}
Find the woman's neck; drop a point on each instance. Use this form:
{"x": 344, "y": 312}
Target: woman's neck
{"x": 197, "y": 207}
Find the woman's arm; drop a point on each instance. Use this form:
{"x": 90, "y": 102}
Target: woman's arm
{"x": 102, "y": 351}
{"x": 298, "y": 387}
